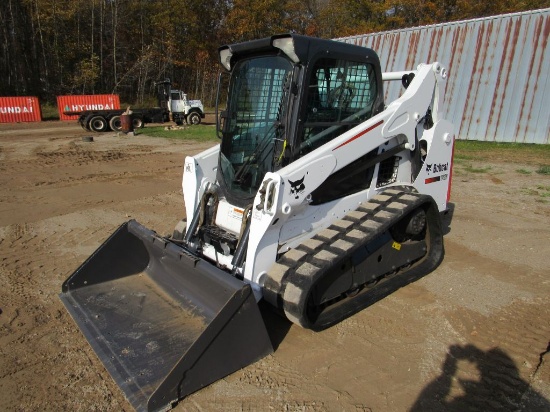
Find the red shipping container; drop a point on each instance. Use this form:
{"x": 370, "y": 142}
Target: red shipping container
{"x": 20, "y": 109}
{"x": 80, "y": 103}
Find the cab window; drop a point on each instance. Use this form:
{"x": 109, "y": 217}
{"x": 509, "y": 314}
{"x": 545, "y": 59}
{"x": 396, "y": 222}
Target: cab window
{"x": 340, "y": 95}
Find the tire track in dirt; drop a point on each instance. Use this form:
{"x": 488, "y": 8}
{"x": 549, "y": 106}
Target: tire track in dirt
{"x": 106, "y": 177}
{"x": 73, "y": 158}
{"x": 56, "y": 193}
{"x": 337, "y": 369}
{"x": 80, "y": 165}
{"x": 266, "y": 385}
{"x": 48, "y": 127}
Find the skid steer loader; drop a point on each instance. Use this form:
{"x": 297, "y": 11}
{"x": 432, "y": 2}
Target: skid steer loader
{"x": 320, "y": 200}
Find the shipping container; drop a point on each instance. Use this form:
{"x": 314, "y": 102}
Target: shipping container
{"x": 20, "y": 109}
{"x": 80, "y": 103}
{"x": 498, "y": 68}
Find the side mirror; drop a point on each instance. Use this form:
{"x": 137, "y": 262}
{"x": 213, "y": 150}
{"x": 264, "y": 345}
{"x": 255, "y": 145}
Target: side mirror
{"x": 407, "y": 79}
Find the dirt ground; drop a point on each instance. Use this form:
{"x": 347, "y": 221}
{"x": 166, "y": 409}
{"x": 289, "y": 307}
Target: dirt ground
{"x": 472, "y": 335}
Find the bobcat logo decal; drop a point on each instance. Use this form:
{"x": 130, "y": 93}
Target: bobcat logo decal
{"x": 437, "y": 167}
{"x": 297, "y": 187}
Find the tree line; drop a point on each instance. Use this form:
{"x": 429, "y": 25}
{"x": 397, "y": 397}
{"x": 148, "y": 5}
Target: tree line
{"x": 56, "y": 47}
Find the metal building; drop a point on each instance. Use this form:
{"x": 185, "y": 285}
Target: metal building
{"x": 498, "y": 87}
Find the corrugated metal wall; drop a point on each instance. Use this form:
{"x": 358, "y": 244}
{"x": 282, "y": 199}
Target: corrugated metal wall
{"x": 498, "y": 87}
{"x": 20, "y": 109}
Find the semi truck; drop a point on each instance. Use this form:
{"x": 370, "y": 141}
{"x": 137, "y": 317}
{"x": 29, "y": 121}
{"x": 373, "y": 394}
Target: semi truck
{"x": 173, "y": 105}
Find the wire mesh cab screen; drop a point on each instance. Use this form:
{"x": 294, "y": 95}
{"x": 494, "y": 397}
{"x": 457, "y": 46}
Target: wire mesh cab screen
{"x": 256, "y": 99}
{"x": 340, "y": 95}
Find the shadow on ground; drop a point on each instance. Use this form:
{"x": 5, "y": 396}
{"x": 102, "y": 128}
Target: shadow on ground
{"x": 476, "y": 380}
{"x": 447, "y": 218}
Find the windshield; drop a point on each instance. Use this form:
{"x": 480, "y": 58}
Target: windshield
{"x": 254, "y": 122}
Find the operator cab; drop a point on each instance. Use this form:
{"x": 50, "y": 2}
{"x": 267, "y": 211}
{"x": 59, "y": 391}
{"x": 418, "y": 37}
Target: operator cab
{"x": 287, "y": 96}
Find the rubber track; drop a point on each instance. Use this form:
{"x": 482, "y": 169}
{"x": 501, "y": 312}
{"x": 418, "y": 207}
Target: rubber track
{"x": 291, "y": 278}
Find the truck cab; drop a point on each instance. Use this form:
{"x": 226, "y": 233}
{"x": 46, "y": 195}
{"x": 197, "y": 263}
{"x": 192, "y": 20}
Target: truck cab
{"x": 191, "y": 111}
{"x": 180, "y": 107}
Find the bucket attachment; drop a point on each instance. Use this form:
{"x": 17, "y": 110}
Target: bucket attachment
{"x": 163, "y": 322}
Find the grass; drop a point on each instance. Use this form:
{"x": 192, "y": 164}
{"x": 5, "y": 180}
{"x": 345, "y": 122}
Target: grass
{"x": 541, "y": 192}
{"x": 468, "y": 152}
{"x": 504, "y": 152}
{"x": 200, "y": 133}
{"x": 49, "y": 111}
{"x": 530, "y": 192}
{"x": 461, "y": 157}
{"x": 523, "y": 171}
{"x": 472, "y": 169}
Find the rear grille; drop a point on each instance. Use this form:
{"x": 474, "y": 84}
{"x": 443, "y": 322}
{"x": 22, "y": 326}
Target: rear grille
{"x": 387, "y": 171}
{"x": 217, "y": 237}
